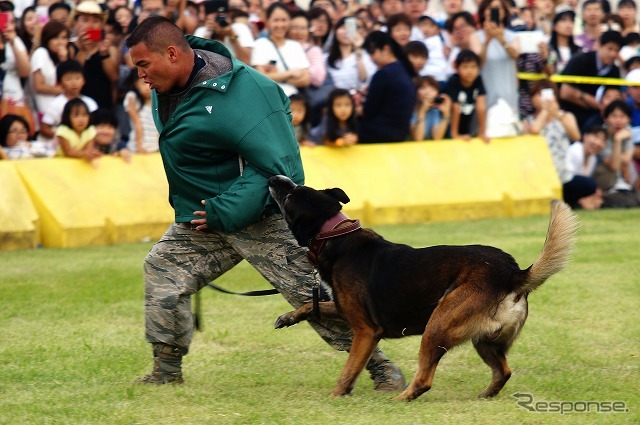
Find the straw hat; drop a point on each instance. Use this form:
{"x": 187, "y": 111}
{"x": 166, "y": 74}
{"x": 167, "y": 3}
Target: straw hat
{"x": 89, "y": 7}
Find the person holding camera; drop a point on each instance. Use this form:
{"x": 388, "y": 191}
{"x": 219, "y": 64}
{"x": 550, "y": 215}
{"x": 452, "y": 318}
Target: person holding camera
{"x": 432, "y": 113}
{"x": 99, "y": 58}
{"x": 236, "y": 36}
{"x": 498, "y": 54}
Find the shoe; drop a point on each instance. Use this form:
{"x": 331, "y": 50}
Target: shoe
{"x": 385, "y": 374}
{"x": 167, "y": 366}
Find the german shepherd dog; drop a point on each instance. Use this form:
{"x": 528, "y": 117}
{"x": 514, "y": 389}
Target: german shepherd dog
{"x": 447, "y": 294}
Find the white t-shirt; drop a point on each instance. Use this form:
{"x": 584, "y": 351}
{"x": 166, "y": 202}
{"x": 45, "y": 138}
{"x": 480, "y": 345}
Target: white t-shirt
{"x": 574, "y": 161}
{"x": 53, "y": 113}
{"x": 40, "y": 60}
{"x": 437, "y": 63}
{"x": 345, "y": 75}
{"x": 292, "y": 53}
{"x": 12, "y": 87}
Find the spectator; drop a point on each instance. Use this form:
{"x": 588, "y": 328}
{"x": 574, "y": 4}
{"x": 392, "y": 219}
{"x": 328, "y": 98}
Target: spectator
{"x": 14, "y": 131}
{"x": 29, "y": 29}
{"x": 531, "y": 62}
{"x": 390, "y": 99}
{"x": 449, "y": 8}
{"x": 558, "y": 127}
{"x": 279, "y": 58}
{"x": 630, "y": 47}
{"x": 320, "y": 83}
{"x": 339, "y": 125}
{"x": 415, "y": 9}
{"x": 498, "y": 53}
{"x": 320, "y": 29}
{"x": 461, "y": 29}
{"x": 613, "y": 172}
{"x": 350, "y": 66}
{"x": 106, "y": 140}
{"x": 628, "y": 12}
{"x": 14, "y": 66}
{"x": 71, "y": 80}
{"x": 60, "y": 12}
{"x": 300, "y": 119}
{"x": 143, "y": 137}
{"x": 468, "y": 96}
{"x": 99, "y": 58}
{"x": 579, "y": 99}
{"x": 592, "y": 16}
{"x": 75, "y": 136}
{"x": 582, "y": 158}
{"x": 418, "y": 55}
{"x": 433, "y": 39}
{"x": 236, "y": 36}
{"x": 126, "y": 18}
{"x": 604, "y": 96}
{"x": 54, "y": 49}
{"x": 561, "y": 44}
{"x": 176, "y": 11}
{"x": 432, "y": 114}
{"x": 399, "y": 27}
{"x": 389, "y": 8}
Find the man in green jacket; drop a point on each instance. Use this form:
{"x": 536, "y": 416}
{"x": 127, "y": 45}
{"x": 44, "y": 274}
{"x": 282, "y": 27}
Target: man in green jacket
{"x": 224, "y": 130}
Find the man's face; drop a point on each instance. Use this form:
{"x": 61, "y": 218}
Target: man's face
{"x": 151, "y": 8}
{"x": 634, "y": 93}
{"x": 415, "y": 8}
{"x": 85, "y": 22}
{"x": 154, "y": 68}
{"x": 607, "y": 53}
{"x": 391, "y": 7}
{"x": 592, "y": 14}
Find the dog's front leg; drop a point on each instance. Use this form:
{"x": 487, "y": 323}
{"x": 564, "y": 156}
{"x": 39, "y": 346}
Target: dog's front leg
{"x": 362, "y": 346}
{"x": 327, "y": 310}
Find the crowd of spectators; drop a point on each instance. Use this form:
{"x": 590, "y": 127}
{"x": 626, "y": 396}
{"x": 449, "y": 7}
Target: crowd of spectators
{"x": 355, "y": 71}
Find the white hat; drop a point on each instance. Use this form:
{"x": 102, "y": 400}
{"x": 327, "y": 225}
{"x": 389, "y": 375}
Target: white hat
{"x": 633, "y": 76}
{"x": 89, "y": 7}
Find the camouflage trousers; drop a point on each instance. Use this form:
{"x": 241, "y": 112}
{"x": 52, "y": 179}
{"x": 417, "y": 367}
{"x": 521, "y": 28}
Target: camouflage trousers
{"x": 184, "y": 260}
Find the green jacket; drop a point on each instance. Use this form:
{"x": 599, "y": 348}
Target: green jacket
{"x": 240, "y": 114}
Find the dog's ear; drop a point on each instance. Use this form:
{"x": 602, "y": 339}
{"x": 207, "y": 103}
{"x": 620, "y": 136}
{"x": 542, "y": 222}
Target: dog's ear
{"x": 337, "y": 193}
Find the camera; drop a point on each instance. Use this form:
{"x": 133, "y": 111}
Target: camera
{"x": 438, "y": 100}
{"x": 221, "y": 19}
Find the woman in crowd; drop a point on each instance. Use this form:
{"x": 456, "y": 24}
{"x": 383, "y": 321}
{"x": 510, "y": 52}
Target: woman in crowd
{"x": 278, "y": 57}
{"x": 561, "y": 44}
{"x": 499, "y": 49}
{"x": 399, "y": 27}
{"x": 390, "y": 98}
{"x": 321, "y": 27}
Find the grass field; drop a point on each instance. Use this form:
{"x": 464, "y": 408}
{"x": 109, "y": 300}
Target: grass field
{"x": 72, "y": 341}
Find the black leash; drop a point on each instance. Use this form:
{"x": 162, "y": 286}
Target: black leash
{"x": 197, "y": 314}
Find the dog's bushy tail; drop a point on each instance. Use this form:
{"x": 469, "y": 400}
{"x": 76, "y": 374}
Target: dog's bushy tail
{"x": 558, "y": 246}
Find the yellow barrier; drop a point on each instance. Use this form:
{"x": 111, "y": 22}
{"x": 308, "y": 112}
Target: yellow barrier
{"x": 67, "y": 203}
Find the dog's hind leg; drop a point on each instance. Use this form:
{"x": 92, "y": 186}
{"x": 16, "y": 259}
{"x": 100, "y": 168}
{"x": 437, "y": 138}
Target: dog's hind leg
{"x": 494, "y": 355}
{"x": 364, "y": 342}
{"x": 451, "y": 324}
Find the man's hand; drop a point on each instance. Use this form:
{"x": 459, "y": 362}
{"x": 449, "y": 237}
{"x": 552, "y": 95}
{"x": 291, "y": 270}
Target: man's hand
{"x": 201, "y": 223}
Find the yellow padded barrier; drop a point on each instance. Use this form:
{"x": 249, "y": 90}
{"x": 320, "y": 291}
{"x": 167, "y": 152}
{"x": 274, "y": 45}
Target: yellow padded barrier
{"x": 438, "y": 181}
{"x": 114, "y": 202}
{"x": 18, "y": 216}
{"x": 67, "y": 203}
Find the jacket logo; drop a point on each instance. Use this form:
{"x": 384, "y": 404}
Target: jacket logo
{"x": 208, "y": 108}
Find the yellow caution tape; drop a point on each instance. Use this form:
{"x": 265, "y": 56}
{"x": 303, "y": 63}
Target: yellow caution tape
{"x": 577, "y": 79}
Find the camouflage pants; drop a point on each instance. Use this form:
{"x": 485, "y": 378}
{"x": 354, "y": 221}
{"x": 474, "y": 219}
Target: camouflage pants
{"x": 184, "y": 260}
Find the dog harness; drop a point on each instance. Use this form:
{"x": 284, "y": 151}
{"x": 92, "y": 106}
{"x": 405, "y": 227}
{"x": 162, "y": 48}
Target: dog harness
{"x": 337, "y": 225}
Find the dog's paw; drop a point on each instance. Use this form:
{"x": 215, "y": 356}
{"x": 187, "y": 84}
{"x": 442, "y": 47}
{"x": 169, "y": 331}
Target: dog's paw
{"x": 285, "y": 320}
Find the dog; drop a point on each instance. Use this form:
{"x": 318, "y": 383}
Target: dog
{"x": 447, "y": 294}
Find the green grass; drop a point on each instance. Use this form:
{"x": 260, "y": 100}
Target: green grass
{"x": 72, "y": 340}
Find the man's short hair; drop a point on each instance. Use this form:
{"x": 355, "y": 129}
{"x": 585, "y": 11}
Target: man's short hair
{"x": 611, "y": 37}
{"x": 416, "y": 48}
{"x": 157, "y": 32}
{"x": 68, "y": 67}
{"x": 467, "y": 56}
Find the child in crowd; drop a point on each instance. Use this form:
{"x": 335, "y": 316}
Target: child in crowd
{"x": 433, "y": 39}
{"x": 466, "y": 90}
{"x": 339, "y": 125}
{"x": 418, "y": 55}
{"x": 300, "y": 119}
{"x": 75, "y": 136}
{"x": 106, "y": 140}
{"x": 137, "y": 103}
{"x": 581, "y": 161}
{"x": 71, "y": 80}
{"x": 14, "y": 131}
{"x": 614, "y": 170}
{"x": 433, "y": 111}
